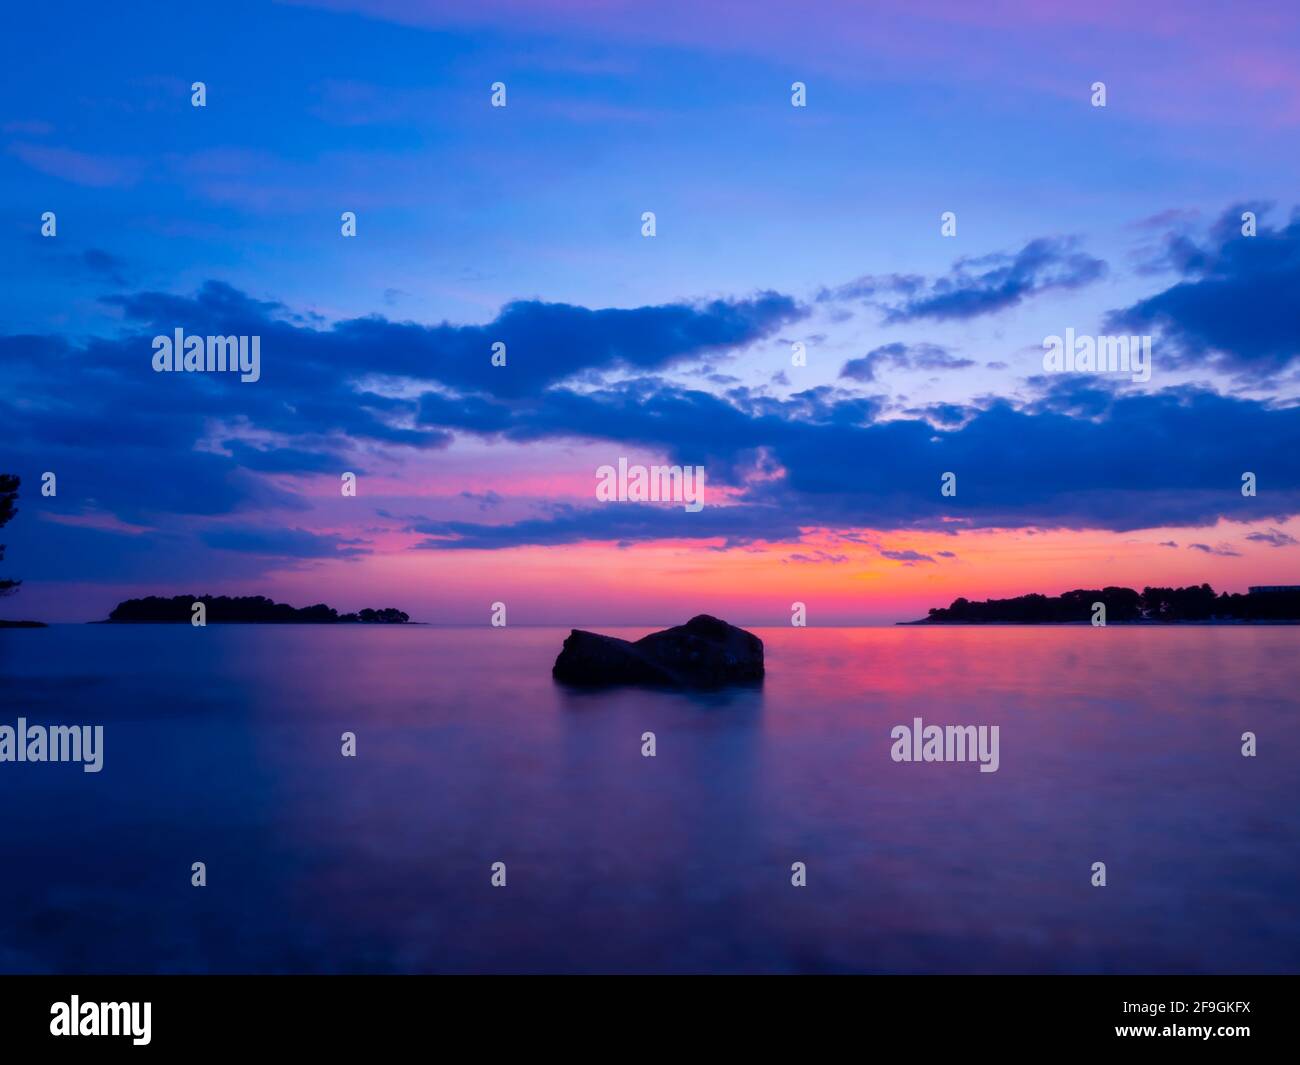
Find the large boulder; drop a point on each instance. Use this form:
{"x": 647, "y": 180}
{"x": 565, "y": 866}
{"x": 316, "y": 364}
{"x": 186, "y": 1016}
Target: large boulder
{"x": 703, "y": 653}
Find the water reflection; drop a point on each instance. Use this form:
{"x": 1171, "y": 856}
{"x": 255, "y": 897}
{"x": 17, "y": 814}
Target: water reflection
{"x": 1116, "y": 745}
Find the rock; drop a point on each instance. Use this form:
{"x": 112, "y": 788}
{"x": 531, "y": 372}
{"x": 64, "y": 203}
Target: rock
{"x": 703, "y": 653}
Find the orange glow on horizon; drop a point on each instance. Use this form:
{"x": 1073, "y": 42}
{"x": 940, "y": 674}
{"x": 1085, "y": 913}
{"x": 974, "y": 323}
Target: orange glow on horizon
{"x": 842, "y": 580}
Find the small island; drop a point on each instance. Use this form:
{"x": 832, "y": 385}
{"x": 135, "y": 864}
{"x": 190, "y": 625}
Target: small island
{"x": 1197, "y": 604}
{"x": 245, "y": 610}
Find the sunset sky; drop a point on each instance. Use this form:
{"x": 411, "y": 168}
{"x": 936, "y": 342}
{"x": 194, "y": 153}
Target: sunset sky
{"x": 776, "y": 225}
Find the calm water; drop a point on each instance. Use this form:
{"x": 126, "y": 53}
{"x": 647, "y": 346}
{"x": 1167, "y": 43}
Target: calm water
{"x": 222, "y": 746}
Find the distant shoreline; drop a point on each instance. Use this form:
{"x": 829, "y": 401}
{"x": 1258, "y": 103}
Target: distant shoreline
{"x": 246, "y": 621}
{"x": 651, "y": 626}
{"x": 1147, "y": 623}
{"x": 202, "y": 610}
{"x": 1198, "y": 604}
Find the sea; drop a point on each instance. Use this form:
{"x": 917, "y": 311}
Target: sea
{"x": 493, "y": 821}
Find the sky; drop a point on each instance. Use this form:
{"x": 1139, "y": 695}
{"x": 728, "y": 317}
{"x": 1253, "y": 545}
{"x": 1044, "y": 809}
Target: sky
{"x": 799, "y": 324}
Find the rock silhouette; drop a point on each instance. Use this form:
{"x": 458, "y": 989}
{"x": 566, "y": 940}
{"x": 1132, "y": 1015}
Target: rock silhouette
{"x": 704, "y": 653}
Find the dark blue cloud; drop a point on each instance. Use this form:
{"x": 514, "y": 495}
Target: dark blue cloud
{"x": 104, "y": 264}
{"x": 283, "y": 543}
{"x": 1238, "y": 305}
{"x": 904, "y": 357}
{"x": 544, "y": 342}
{"x": 485, "y": 500}
{"x": 549, "y": 342}
{"x": 1125, "y": 461}
{"x": 146, "y": 447}
{"x": 1222, "y": 550}
{"x": 289, "y": 459}
{"x": 622, "y": 523}
{"x": 977, "y": 285}
{"x": 817, "y": 558}
{"x": 128, "y": 435}
{"x": 1274, "y": 538}
{"x": 908, "y": 556}
{"x": 72, "y": 265}
{"x": 53, "y": 551}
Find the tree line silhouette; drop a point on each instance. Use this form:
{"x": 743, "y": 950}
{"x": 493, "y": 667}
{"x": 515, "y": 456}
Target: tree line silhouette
{"x": 8, "y": 494}
{"x": 1198, "y": 602}
{"x": 247, "y": 609}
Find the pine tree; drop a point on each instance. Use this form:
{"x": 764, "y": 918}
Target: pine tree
{"x": 8, "y": 493}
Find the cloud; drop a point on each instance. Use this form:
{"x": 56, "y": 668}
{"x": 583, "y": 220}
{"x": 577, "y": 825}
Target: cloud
{"x": 283, "y": 543}
{"x": 54, "y": 551}
{"x": 621, "y": 523}
{"x": 165, "y": 451}
{"x": 1111, "y": 460}
{"x": 485, "y": 500}
{"x": 1223, "y": 550}
{"x": 91, "y": 266}
{"x": 104, "y": 265}
{"x": 311, "y": 391}
{"x": 816, "y": 558}
{"x": 1273, "y": 537}
{"x": 183, "y": 454}
{"x": 321, "y": 459}
{"x": 545, "y": 342}
{"x": 978, "y": 285}
{"x": 993, "y": 49}
{"x": 905, "y": 357}
{"x": 81, "y": 168}
{"x": 1237, "y": 308}
{"x": 908, "y": 556}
